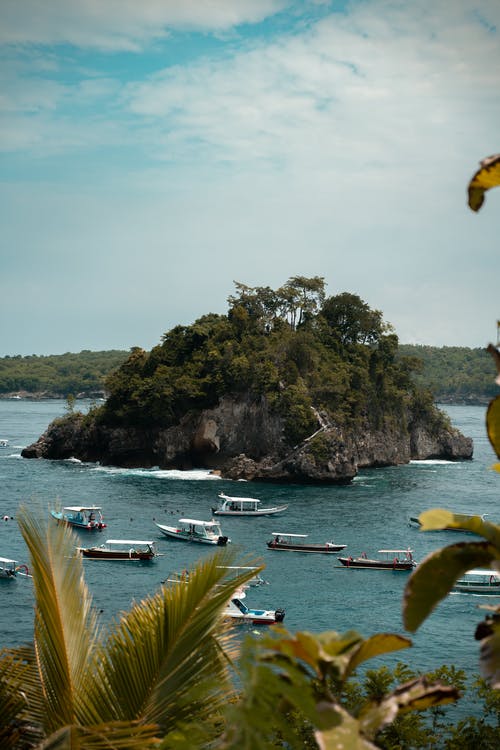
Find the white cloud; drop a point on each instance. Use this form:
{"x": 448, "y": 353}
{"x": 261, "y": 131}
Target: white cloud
{"x": 122, "y": 24}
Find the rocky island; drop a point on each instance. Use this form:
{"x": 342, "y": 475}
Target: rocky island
{"x": 289, "y": 386}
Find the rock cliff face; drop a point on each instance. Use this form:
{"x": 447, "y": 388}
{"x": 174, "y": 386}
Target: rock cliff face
{"x": 242, "y": 439}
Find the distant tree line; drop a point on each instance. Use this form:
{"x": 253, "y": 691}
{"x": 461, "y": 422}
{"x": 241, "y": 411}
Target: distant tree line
{"x": 454, "y": 374}
{"x": 61, "y": 375}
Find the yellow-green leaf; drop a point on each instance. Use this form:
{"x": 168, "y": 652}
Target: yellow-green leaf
{"x": 434, "y": 577}
{"x": 381, "y": 643}
{"x": 486, "y": 177}
{"x": 493, "y": 424}
{"x": 345, "y": 736}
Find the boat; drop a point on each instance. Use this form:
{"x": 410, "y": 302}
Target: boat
{"x": 191, "y": 530}
{"x": 244, "y": 506}
{"x": 87, "y": 517}
{"x": 121, "y": 549}
{"x": 297, "y": 543}
{"x": 479, "y": 581}
{"x": 392, "y": 559}
{"x": 239, "y": 612}
{"x": 4, "y": 443}
{"x": 415, "y": 523}
{"x": 7, "y": 568}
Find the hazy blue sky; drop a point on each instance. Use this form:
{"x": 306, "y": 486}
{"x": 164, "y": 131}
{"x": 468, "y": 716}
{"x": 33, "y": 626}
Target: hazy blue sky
{"x": 152, "y": 152}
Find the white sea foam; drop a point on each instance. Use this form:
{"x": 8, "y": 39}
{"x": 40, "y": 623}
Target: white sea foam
{"x": 192, "y": 474}
{"x": 432, "y": 462}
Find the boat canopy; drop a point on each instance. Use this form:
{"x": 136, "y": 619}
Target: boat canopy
{"x": 81, "y": 508}
{"x": 128, "y": 541}
{"x": 295, "y": 536}
{"x": 7, "y": 560}
{"x": 395, "y": 551}
{"x": 482, "y": 572}
{"x": 239, "y": 499}
{"x": 198, "y": 523}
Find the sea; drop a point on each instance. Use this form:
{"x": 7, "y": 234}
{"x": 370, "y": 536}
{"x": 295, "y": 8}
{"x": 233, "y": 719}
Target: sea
{"x": 317, "y": 593}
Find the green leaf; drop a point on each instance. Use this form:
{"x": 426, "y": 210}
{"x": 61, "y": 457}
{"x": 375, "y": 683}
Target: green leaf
{"x": 434, "y": 577}
{"x": 346, "y": 736}
{"x": 381, "y": 643}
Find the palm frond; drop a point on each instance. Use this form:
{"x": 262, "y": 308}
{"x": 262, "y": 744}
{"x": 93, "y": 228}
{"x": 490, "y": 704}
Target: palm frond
{"x": 166, "y": 660}
{"x": 66, "y": 629}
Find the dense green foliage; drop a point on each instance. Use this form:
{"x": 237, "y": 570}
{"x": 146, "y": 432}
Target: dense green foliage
{"x": 292, "y": 346}
{"x": 59, "y": 375}
{"x": 454, "y": 374}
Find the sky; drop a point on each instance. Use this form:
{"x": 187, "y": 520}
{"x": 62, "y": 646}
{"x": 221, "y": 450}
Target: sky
{"x": 153, "y": 153}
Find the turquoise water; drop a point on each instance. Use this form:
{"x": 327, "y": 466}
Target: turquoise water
{"x": 315, "y": 591}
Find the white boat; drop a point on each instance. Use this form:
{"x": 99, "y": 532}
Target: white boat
{"x": 88, "y": 517}
{"x": 121, "y": 549}
{"x": 479, "y": 581}
{"x": 239, "y": 612}
{"x": 192, "y": 530}
{"x": 7, "y": 568}
{"x": 244, "y": 506}
{"x": 298, "y": 543}
{"x": 4, "y": 442}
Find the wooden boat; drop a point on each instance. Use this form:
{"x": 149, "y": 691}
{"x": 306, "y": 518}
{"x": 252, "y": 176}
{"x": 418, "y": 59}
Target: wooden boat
{"x": 85, "y": 517}
{"x": 244, "y": 506}
{"x": 191, "y": 530}
{"x": 479, "y": 581}
{"x": 392, "y": 559}
{"x": 415, "y": 523}
{"x": 121, "y": 549}
{"x": 297, "y": 543}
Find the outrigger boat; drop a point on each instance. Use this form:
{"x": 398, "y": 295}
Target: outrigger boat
{"x": 191, "y": 530}
{"x": 244, "y": 506}
{"x": 479, "y": 581}
{"x": 121, "y": 549}
{"x": 297, "y": 543}
{"x": 393, "y": 559}
{"x": 88, "y": 517}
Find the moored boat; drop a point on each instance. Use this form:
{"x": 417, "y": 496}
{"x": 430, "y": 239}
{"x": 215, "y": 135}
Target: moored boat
{"x": 87, "y": 517}
{"x": 244, "y": 506}
{"x": 298, "y": 543}
{"x": 392, "y": 559}
{"x": 192, "y": 530}
{"x": 121, "y": 549}
{"x": 479, "y": 581}
{"x": 7, "y": 568}
{"x": 239, "y": 612}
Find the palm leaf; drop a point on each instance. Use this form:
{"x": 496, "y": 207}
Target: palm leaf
{"x": 165, "y": 661}
{"x": 66, "y": 629}
{"x": 493, "y": 424}
{"x": 486, "y": 177}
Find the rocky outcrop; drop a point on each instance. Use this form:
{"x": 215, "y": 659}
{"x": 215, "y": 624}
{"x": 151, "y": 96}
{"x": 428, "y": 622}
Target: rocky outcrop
{"x": 244, "y": 439}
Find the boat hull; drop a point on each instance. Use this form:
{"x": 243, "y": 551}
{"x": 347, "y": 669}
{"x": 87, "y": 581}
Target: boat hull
{"x": 367, "y": 564}
{"x": 101, "y": 554}
{"x": 262, "y": 512}
{"x": 325, "y": 549}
